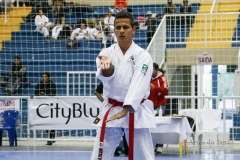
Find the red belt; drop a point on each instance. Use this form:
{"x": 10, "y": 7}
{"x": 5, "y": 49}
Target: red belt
{"x": 131, "y": 130}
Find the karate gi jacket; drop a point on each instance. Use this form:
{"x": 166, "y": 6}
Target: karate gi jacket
{"x": 128, "y": 84}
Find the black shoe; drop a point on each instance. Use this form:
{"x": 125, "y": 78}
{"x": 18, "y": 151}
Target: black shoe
{"x": 49, "y": 143}
{"x": 116, "y": 154}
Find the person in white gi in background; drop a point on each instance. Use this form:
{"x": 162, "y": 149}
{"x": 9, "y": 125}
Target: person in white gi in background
{"x": 127, "y": 69}
{"x": 92, "y": 31}
{"x": 109, "y": 20}
{"x": 56, "y": 31}
{"x": 43, "y": 24}
{"x": 79, "y": 33}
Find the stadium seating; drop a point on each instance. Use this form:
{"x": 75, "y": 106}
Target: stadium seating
{"x": 52, "y": 56}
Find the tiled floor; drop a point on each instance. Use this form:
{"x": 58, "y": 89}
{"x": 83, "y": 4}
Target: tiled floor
{"x": 82, "y": 151}
{"x": 85, "y": 155}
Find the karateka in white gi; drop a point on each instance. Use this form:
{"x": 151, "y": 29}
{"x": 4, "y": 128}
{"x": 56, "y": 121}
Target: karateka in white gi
{"x": 108, "y": 29}
{"x": 126, "y": 68}
{"x": 43, "y": 24}
{"x": 109, "y": 20}
{"x": 79, "y": 33}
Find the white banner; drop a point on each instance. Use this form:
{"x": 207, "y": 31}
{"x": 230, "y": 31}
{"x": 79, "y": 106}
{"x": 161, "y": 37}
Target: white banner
{"x": 64, "y": 113}
{"x": 9, "y": 104}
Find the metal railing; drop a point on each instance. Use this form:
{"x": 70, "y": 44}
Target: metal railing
{"x": 81, "y": 83}
{"x": 176, "y": 103}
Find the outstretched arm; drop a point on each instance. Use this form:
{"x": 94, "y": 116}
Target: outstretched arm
{"x": 106, "y": 64}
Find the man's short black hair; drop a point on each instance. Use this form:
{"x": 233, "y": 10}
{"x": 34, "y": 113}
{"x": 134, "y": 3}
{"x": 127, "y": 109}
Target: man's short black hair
{"x": 17, "y": 57}
{"x": 155, "y": 66}
{"x": 124, "y": 14}
{"x": 46, "y": 73}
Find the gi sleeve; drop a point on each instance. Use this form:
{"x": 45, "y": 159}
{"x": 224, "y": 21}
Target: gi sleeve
{"x": 46, "y": 19}
{"x": 38, "y": 21}
{"x": 99, "y": 69}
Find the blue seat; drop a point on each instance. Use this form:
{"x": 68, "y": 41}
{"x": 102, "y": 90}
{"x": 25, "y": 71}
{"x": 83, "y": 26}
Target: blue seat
{"x": 9, "y": 124}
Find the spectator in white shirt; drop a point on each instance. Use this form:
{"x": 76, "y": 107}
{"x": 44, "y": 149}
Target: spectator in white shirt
{"x": 92, "y": 31}
{"x": 109, "y": 20}
{"x": 79, "y": 33}
{"x": 43, "y": 24}
{"x": 108, "y": 35}
{"x": 56, "y": 31}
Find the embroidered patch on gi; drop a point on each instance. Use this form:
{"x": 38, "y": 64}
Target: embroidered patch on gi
{"x": 144, "y": 68}
{"x": 132, "y": 60}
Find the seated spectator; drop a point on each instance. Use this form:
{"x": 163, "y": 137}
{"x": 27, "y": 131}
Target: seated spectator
{"x": 109, "y": 20}
{"x": 92, "y": 31}
{"x": 108, "y": 36}
{"x": 46, "y": 87}
{"x": 151, "y": 24}
{"x": 36, "y": 6}
{"x": 66, "y": 31}
{"x": 16, "y": 75}
{"x": 79, "y": 33}
{"x": 56, "y": 31}
{"x": 170, "y": 8}
{"x": 186, "y": 9}
{"x": 59, "y": 10}
{"x": 43, "y": 25}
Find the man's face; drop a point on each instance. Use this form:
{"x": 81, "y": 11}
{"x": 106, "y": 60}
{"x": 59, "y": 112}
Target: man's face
{"x": 82, "y": 26}
{"x": 16, "y": 61}
{"x": 155, "y": 73}
{"x": 45, "y": 78}
{"x": 185, "y": 3}
{"x": 123, "y": 30}
{"x": 109, "y": 14}
{"x": 40, "y": 12}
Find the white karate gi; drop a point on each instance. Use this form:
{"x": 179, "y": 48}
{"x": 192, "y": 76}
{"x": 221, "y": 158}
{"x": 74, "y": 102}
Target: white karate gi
{"x": 81, "y": 33}
{"x": 39, "y": 21}
{"x": 109, "y": 21}
{"x": 129, "y": 84}
{"x": 111, "y": 38}
{"x": 93, "y": 32}
{"x": 56, "y": 31}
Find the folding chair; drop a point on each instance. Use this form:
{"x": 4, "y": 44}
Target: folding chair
{"x": 9, "y": 124}
{"x": 206, "y": 120}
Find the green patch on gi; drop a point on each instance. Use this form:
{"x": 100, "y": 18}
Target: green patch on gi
{"x": 144, "y": 68}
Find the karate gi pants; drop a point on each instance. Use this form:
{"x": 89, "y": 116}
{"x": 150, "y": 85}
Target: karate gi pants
{"x": 44, "y": 30}
{"x": 143, "y": 145}
{"x": 56, "y": 31}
